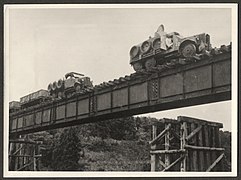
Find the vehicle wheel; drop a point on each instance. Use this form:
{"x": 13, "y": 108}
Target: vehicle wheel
{"x": 137, "y": 66}
{"x": 150, "y": 63}
{"x": 188, "y": 50}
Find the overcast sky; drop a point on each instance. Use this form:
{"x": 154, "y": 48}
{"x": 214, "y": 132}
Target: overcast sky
{"x": 46, "y": 43}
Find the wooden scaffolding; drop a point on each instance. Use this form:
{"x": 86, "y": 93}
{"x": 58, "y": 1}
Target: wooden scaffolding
{"x": 186, "y": 144}
{"x": 24, "y": 154}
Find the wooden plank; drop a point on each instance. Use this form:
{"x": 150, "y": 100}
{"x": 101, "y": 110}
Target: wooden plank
{"x": 220, "y": 166}
{"x": 194, "y": 155}
{"x": 207, "y": 144}
{"x": 172, "y": 151}
{"x": 214, "y": 154}
{"x": 199, "y": 121}
{"x": 25, "y": 152}
{"x": 204, "y": 148}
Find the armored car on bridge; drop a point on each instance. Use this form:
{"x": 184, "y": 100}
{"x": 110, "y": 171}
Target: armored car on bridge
{"x": 163, "y": 47}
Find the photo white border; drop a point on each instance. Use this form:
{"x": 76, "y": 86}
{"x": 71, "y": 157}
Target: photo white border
{"x": 233, "y": 173}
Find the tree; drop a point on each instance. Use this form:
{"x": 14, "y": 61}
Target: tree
{"x": 65, "y": 154}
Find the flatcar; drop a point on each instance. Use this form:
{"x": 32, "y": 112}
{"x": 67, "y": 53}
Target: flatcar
{"x": 34, "y": 98}
{"x": 162, "y": 47}
{"x": 72, "y": 83}
{"x": 14, "y": 106}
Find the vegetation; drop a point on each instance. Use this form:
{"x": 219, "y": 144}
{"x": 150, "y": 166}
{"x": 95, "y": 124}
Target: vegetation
{"x": 112, "y": 145}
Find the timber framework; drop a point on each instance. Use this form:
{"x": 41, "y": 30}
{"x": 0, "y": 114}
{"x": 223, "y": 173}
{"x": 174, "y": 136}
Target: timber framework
{"x": 186, "y": 144}
{"x": 24, "y": 154}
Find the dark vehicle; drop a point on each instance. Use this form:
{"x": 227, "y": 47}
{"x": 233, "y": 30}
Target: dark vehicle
{"x": 71, "y": 84}
{"x": 162, "y": 47}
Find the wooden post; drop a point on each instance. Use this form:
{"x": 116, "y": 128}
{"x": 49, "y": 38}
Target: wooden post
{"x": 167, "y": 145}
{"x": 183, "y": 143}
{"x": 38, "y": 162}
{"x": 31, "y": 156}
{"x": 201, "y": 155}
{"x": 24, "y": 160}
{"x": 12, "y": 160}
{"x": 218, "y": 145}
{"x": 153, "y": 147}
{"x": 214, "y": 155}
{"x": 34, "y": 159}
{"x": 16, "y": 158}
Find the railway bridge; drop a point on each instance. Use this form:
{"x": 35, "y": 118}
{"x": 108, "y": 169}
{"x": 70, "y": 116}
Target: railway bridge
{"x": 204, "y": 81}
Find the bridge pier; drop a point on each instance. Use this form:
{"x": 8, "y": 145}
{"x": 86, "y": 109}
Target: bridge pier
{"x": 186, "y": 144}
{"x": 24, "y": 154}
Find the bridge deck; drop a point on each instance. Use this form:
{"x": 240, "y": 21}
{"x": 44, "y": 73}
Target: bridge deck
{"x": 205, "y": 81}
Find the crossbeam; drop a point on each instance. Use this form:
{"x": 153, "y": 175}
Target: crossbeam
{"x": 203, "y": 148}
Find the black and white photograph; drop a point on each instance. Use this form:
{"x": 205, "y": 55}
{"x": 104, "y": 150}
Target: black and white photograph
{"x": 120, "y": 90}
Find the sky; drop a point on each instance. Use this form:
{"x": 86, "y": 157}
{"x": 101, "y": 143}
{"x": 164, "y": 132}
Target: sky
{"x": 46, "y": 43}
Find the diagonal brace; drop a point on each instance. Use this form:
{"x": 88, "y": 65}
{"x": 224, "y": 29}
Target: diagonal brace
{"x": 195, "y": 131}
{"x": 173, "y": 164}
{"x": 160, "y": 135}
{"x": 215, "y": 162}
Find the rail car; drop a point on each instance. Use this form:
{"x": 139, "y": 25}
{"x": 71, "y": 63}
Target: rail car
{"x": 34, "y": 99}
{"x": 163, "y": 47}
{"x": 29, "y": 101}
{"x": 14, "y": 106}
{"x": 72, "y": 83}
